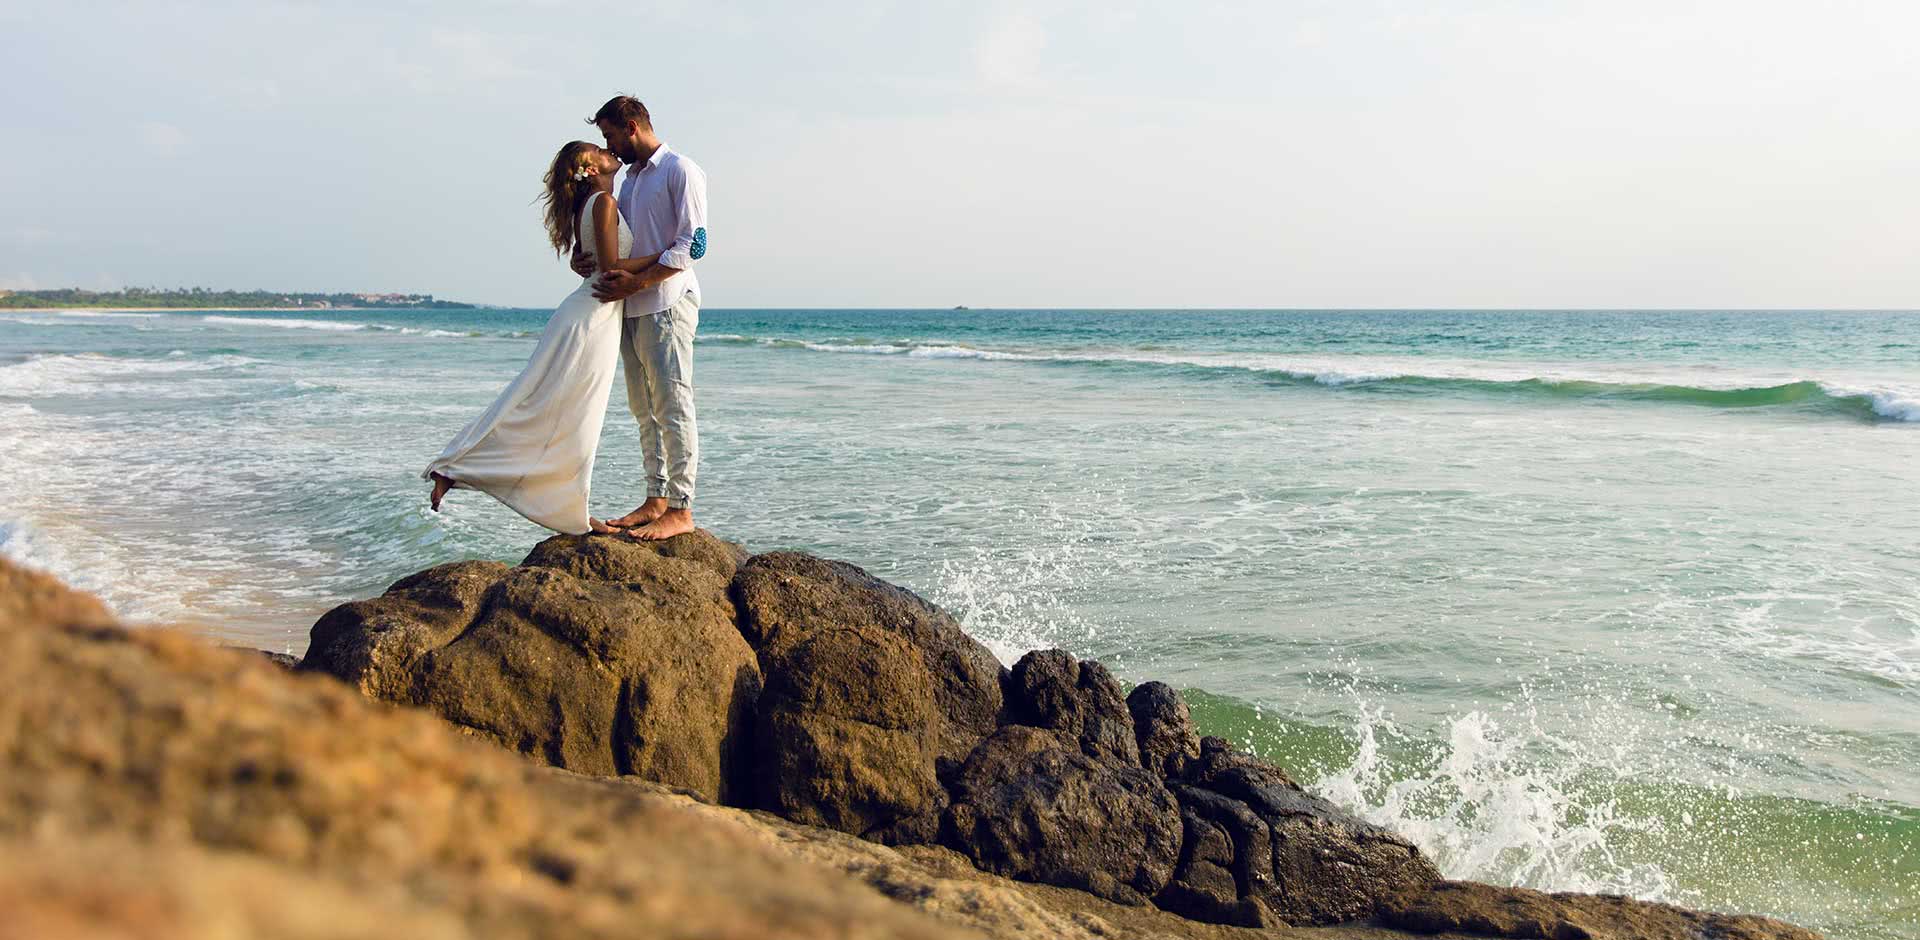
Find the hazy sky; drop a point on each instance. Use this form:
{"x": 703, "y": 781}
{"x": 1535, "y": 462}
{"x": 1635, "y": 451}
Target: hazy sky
{"x": 1349, "y": 153}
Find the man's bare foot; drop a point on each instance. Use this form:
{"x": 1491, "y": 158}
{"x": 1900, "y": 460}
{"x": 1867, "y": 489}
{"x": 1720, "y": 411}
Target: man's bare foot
{"x": 671, "y": 523}
{"x": 441, "y": 484}
{"x": 602, "y": 528}
{"x": 653, "y": 508}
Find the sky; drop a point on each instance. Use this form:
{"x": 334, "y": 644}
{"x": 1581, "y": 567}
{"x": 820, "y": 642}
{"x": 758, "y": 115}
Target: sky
{"x": 1293, "y": 153}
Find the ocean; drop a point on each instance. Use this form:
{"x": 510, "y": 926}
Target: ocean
{"x": 1599, "y": 600}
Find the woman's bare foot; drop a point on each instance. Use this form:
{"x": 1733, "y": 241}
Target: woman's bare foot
{"x": 601, "y": 527}
{"x": 441, "y": 484}
{"x": 671, "y": 523}
{"x": 653, "y": 508}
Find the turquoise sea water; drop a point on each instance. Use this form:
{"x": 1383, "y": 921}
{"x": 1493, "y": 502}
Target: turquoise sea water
{"x": 1623, "y": 601}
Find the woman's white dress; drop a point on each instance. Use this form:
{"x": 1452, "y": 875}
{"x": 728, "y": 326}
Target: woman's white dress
{"x": 533, "y": 447}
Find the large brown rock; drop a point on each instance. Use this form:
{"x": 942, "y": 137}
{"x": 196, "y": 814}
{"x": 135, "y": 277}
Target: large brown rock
{"x": 1295, "y": 857}
{"x": 873, "y": 696}
{"x": 376, "y": 644}
{"x": 599, "y": 654}
{"x": 1163, "y": 727}
{"x": 842, "y": 736}
{"x": 1050, "y": 689}
{"x": 1031, "y": 804}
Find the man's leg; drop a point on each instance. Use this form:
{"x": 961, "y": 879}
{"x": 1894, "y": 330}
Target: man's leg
{"x": 634, "y": 365}
{"x": 670, "y": 379}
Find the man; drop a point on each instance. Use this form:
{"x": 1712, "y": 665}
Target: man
{"x": 664, "y": 201}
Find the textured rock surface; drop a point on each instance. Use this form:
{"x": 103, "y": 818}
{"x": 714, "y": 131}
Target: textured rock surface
{"x": 1163, "y": 727}
{"x": 1488, "y": 911}
{"x": 1294, "y": 856}
{"x": 155, "y": 786}
{"x": 605, "y": 656}
{"x": 873, "y": 695}
{"x": 857, "y": 706}
{"x": 1050, "y": 689}
{"x": 1029, "y": 803}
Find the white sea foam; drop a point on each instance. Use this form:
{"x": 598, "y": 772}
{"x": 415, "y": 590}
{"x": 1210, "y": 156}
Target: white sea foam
{"x": 965, "y": 352}
{"x": 1502, "y": 802}
{"x": 331, "y": 325}
{"x": 81, "y": 373}
{"x": 1895, "y": 404}
{"x": 875, "y": 349}
{"x": 1890, "y": 401}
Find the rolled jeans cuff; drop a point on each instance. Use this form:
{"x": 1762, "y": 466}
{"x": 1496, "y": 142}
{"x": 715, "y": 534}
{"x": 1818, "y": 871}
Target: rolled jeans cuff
{"x": 679, "y": 502}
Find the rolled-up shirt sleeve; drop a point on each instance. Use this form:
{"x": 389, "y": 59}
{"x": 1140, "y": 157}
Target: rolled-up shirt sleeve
{"x": 688, "y": 187}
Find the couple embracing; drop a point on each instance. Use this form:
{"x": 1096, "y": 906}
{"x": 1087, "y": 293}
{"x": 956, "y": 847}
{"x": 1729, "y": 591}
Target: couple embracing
{"x": 638, "y": 302}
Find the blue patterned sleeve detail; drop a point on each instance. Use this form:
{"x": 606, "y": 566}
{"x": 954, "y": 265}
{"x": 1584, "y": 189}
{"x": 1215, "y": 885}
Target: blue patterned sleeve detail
{"x": 699, "y": 248}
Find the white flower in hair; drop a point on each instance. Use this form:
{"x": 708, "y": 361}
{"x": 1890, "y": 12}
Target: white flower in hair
{"x": 582, "y": 173}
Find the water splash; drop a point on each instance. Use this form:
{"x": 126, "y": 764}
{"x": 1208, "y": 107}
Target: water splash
{"x": 1499, "y": 804}
{"x": 1016, "y": 597}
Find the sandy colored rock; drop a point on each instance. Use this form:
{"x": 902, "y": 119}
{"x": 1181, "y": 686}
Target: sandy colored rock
{"x": 33, "y": 597}
{"x": 154, "y": 747}
{"x": 641, "y": 674}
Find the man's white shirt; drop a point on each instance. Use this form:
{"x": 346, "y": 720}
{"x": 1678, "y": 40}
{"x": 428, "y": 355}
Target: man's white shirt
{"x": 665, "y": 203}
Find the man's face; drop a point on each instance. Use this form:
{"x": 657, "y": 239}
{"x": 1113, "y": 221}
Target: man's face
{"x": 620, "y": 139}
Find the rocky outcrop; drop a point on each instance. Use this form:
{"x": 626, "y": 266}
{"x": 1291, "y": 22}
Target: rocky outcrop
{"x": 1163, "y": 727}
{"x": 603, "y": 656}
{"x": 1461, "y": 907}
{"x": 810, "y": 689}
{"x": 155, "y": 786}
{"x": 872, "y": 697}
{"x": 1030, "y": 804}
{"x": 1050, "y": 689}
{"x": 1266, "y": 851}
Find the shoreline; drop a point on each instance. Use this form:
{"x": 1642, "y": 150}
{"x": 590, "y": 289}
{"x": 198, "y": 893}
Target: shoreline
{"x": 4, "y": 310}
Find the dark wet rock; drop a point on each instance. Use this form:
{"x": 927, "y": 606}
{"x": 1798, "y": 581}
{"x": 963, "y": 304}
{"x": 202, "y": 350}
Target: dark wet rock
{"x": 1490, "y": 911}
{"x": 283, "y": 660}
{"x": 1163, "y": 728}
{"x": 1032, "y": 804}
{"x": 1210, "y": 881}
{"x": 875, "y": 696}
{"x": 1050, "y": 689}
{"x": 1304, "y": 860}
{"x": 644, "y": 674}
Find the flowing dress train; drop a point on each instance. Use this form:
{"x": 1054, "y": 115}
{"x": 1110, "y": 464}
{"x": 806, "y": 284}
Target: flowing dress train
{"x": 533, "y": 448}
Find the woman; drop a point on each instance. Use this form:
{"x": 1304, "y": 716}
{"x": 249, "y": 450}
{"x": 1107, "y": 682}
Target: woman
{"x": 533, "y": 447}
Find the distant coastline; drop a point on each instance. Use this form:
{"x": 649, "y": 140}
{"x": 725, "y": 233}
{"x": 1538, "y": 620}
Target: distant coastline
{"x": 199, "y": 298}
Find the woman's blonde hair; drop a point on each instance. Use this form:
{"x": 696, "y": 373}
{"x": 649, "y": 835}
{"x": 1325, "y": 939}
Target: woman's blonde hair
{"x": 564, "y": 193}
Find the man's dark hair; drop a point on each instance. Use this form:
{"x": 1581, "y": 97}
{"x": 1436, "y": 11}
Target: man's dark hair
{"x": 623, "y": 108}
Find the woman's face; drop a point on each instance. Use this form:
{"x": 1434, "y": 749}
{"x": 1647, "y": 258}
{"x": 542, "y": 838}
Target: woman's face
{"x": 604, "y": 161}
